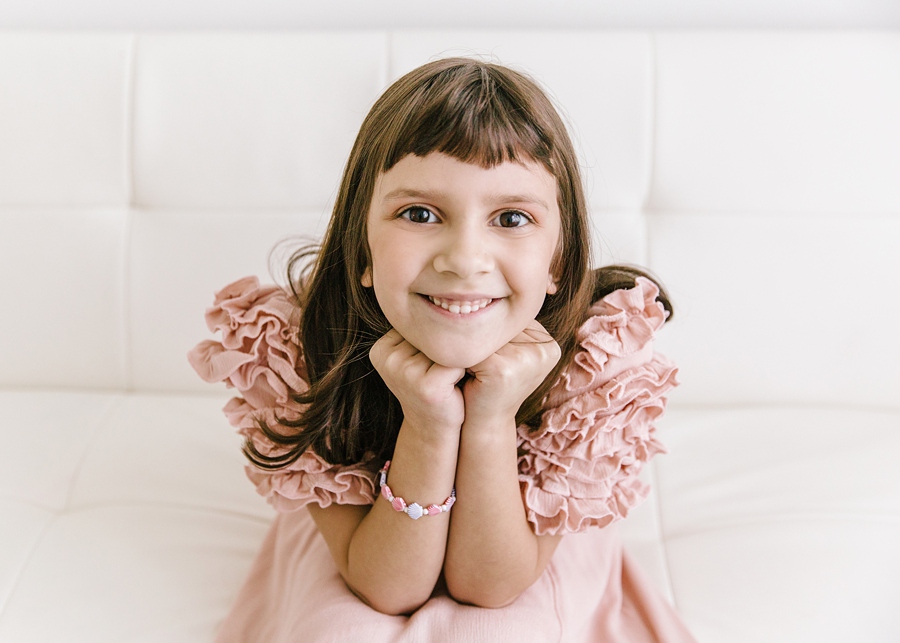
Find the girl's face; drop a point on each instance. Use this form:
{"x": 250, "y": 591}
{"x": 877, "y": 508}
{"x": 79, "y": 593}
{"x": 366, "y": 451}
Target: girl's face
{"x": 462, "y": 255}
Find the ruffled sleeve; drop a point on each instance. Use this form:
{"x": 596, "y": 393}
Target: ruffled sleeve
{"x": 580, "y": 468}
{"x": 259, "y": 355}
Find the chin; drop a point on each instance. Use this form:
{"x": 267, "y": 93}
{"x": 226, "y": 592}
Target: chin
{"x": 456, "y": 358}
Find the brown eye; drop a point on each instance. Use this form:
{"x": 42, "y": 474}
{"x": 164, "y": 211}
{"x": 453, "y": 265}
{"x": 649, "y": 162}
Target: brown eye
{"x": 512, "y": 219}
{"x": 419, "y": 215}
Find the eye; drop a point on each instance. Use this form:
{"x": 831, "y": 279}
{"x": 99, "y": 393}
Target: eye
{"x": 418, "y": 214}
{"x": 513, "y": 219}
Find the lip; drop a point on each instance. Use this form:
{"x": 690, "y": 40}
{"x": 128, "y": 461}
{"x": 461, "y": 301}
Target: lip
{"x": 459, "y": 296}
{"x": 459, "y": 304}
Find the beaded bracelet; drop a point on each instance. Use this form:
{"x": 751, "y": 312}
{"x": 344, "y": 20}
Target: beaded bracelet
{"x": 415, "y": 510}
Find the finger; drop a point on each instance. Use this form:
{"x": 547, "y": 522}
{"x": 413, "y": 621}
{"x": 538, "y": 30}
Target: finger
{"x": 492, "y": 363}
{"x": 391, "y": 339}
{"x": 536, "y": 332}
{"x": 539, "y": 337}
{"x": 448, "y": 374}
{"x": 531, "y": 343}
{"x": 391, "y": 343}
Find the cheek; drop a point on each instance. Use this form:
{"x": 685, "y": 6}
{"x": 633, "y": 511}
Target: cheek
{"x": 542, "y": 277}
{"x": 390, "y": 282}
{"x": 378, "y": 267}
{"x": 384, "y": 270}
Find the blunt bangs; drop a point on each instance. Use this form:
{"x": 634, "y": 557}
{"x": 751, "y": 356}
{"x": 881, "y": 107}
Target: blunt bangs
{"x": 476, "y": 115}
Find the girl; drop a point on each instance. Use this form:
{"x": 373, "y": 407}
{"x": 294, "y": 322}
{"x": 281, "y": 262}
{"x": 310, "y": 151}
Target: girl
{"x": 440, "y": 394}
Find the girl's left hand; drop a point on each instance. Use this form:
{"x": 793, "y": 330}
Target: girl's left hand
{"x": 500, "y": 384}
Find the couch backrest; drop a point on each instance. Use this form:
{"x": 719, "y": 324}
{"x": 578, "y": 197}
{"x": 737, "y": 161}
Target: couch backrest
{"x": 758, "y": 174}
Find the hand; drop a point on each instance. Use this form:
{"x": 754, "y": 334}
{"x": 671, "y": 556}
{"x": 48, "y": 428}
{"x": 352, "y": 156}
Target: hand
{"x": 427, "y": 391}
{"x": 500, "y": 384}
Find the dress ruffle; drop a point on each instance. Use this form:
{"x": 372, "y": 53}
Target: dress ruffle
{"x": 578, "y": 470}
{"x": 259, "y": 355}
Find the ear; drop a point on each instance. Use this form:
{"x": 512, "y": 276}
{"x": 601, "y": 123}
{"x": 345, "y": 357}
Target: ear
{"x": 366, "y": 279}
{"x": 551, "y": 284}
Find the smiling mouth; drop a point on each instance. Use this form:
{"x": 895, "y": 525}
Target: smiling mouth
{"x": 459, "y": 307}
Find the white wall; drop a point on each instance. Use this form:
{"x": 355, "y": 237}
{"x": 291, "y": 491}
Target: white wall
{"x": 299, "y": 14}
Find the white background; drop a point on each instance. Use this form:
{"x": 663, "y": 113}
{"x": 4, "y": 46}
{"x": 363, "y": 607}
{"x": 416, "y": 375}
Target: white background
{"x": 344, "y": 14}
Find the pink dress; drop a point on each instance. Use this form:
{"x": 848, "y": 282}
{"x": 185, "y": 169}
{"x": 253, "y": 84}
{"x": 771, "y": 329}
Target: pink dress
{"x": 578, "y": 476}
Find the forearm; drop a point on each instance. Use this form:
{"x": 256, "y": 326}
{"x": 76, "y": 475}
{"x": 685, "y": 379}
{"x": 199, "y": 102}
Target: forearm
{"x": 493, "y": 554}
{"x": 391, "y": 561}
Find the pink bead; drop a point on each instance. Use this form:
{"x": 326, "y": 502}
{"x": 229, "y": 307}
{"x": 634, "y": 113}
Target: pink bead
{"x": 433, "y": 510}
{"x": 386, "y": 492}
{"x": 398, "y": 504}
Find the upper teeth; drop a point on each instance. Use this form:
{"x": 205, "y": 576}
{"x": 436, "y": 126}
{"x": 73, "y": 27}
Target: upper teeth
{"x": 463, "y": 307}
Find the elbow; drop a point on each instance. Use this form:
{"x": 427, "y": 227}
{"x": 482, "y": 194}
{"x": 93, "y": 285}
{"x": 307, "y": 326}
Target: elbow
{"x": 488, "y": 602}
{"x": 493, "y": 597}
{"x": 398, "y": 608}
{"x": 388, "y": 603}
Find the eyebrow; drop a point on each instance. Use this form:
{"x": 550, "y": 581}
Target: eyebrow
{"x": 407, "y": 193}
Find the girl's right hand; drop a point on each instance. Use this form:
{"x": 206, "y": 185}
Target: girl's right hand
{"x": 427, "y": 391}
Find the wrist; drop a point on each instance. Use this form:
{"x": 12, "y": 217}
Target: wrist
{"x": 434, "y": 433}
{"x": 412, "y": 509}
{"x": 490, "y": 428}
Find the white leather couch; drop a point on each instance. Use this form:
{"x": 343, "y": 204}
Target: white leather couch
{"x": 757, "y": 173}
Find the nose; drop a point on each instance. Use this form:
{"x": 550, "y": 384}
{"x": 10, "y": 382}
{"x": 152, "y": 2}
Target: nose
{"x": 464, "y": 252}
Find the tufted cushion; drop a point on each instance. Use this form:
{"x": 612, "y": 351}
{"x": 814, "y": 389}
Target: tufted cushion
{"x": 755, "y": 172}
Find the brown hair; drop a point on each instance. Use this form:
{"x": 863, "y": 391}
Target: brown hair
{"x": 473, "y": 111}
